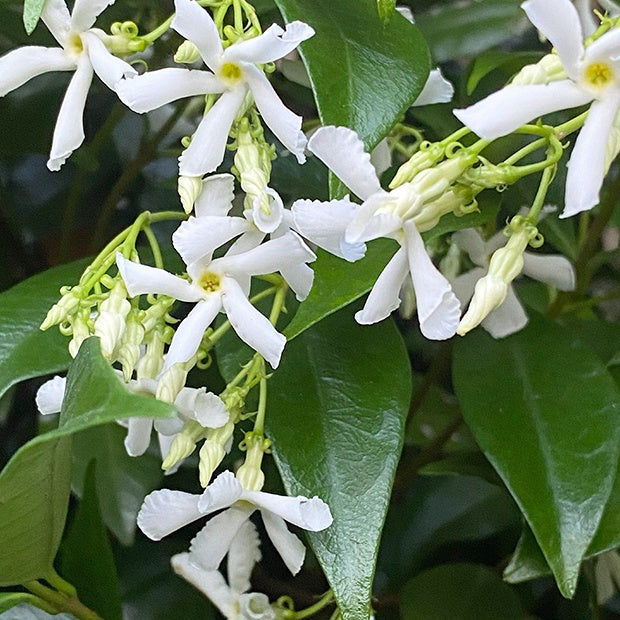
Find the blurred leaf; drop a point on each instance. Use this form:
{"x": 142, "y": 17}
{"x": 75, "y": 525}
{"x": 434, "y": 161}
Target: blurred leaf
{"x": 86, "y": 558}
{"x": 337, "y": 283}
{"x": 336, "y": 412}
{"x": 546, "y": 418}
{"x": 386, "y": 9}
{"x": 121, "y": 479}
{"x": 26, "y": 351}
{"x": 439, "y": 510}
{"x": 364, "y": 73}
{"x": 493, "y": 59}
{"x": 32, "y": 14}
{"x": 459, "y": 592}
{"x": 35, "y": 484}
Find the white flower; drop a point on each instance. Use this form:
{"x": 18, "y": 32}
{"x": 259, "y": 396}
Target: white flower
{"x": 501, "y": 313}
{"x": 165, "y": 511}
{"x": 383, "y": 214}
{"x": 235, "y": 72}
{"x": 232, "y": 598}
{"x": 218, "y": 284}
{"x": 81, "y": 50}
{"x": 592, "y": 75}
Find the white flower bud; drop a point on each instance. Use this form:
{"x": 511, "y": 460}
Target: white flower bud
{"x": 150, "y": 364}
{"x": 211, "y": 455}
{"x": 421, "y": 160}
{"x": 63, "y": 309}
{"x": 81, "y": 330}
{"x": 548, "y": 69}
{"x": 187, "y": 53}
{"x": 182, "y": 446}
{"x": 110, "y": 324}
{"x": 255, "y": 606}
{"x": 129, "y": 348}
{"x": 189, "y": 189}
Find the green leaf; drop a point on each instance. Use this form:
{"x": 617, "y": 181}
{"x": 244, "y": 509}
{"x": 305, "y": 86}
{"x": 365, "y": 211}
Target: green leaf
{"x": 26, "y": 351}
{"x": 336, "y": 412}
{"x": 86, "y": 556}
{"x": 494, "y": 59}
{"x": 337, "y": 283}
{"x": 459, "y": 592}
{"x": 32, "y": 14}
{"x": 386, "y": 8}
{"x": 468, "y": 28}
{"x": 544, "y": 410}
{"x": 35, "y": 484}
{"x": 364, "y": 73}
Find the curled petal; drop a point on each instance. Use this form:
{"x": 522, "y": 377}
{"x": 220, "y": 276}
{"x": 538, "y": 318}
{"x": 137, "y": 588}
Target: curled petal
{"x": 436, "y": 90}
{"x": 341, "y": 150}
{"x": 154, "y": 89}
{"x": 210, "y": 410}
{"x": 50, "y": 395}
{"x": 24, "y": 63}
{"x": 85, "y": 12}
{"x": 108, "y": 67}
{"x": 269, "y": 221}
{"x": 550, "y": 269}
{"x": 206, "y": 151}
{"x": 218, "y": 192}
{"x": 273, "y": 44}
{"x": 243, "y": 554}
{"x": 508, "y": 318}
{"x": 300, "y": 278}
{"x": 138, "y": 436}
{"x": 69, "y": 130}
{"x": 291, "y": 549}
{"x": 166, "y": 511}
{"x": 223, "y": 492}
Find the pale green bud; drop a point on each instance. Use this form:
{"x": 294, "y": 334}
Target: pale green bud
{"x": 81, "y": 330}
{"x": 187, "y": 53}
{"x": 63, "y": 309}
{"x": 211, "y": 455}
{"x": 154, "y": 314}
{"x": 548, "y": 69}
{"x": 150, "y": 364}
{"x": 110, "y": 324}
{"x": 250, "y": 474}
{"x": 489, "y": 293}
{"x": 182, "y": 446}
{"x": 173, "y": 381}
{"x": 427, "y": 156}
{"x": 129, "y": 348}
{"x": 189, "y": 189}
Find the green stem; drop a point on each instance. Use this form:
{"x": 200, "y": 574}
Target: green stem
{"x": 325, "y": 600}
{"x": 157, "y": 258}
{"x": 62, "y": 602}
{"x": 152, "y": 36}
{"x": 259, "y": 422}
{"x": 541, "y": 194}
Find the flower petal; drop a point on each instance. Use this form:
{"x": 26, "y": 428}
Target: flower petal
{"x": 69, "y": 130}
{"x": 223, "y": 492}
{"x": 244, "y": 553}
{"x": 140, "y": 279}
{"x": 469, "y": 240}
{"x": 300, "y": 278}
{"x": 508, "y": 318}
{"x": 559, "y": 21}
{"x": 218, "y": 192}
{"x": 166, "y": 511}
{"x": 138, "y": 436}
{"x": 385, "y": 294}
{"x": 512, "y": 106}
{"x": 211, "y": 583}
{"x": 311, "y": 514}
{"x": 213, "y": 542}
{"x": 251, "y": 326}
{"x": 438, "y": 307}
{"x": 551, "y": 269}
{"x": 50, "y": 395}
{"x": 85, "y": 12}
{"x": 108, "y": 67}
{"x": 195, "y": 24}
{"x": 190, "y": 331}
{"x": 436, "y": 90}
{"x": 267, "y": 222}
{"x": 464, "y": 284}
{"x": 285, "y": 124}
{"x": 324, "y": 223}
{"x": 55, "y": 15}
{"x": 291, "y": 549}
{"x": 210, "y": 410}
{"x": 206, "y": 150}
{"x": 199, "y": 237}
{"x": 586, "y": 167}
{"x": 273, "y": 44}
{"x": 24, "y": 63}
{"x": 154, "y": 89}
{"x": 341, "y": 150}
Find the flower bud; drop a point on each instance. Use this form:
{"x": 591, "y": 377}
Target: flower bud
{"x": 129, "y": 348}
{"x": 150, "y": 364}
{"x": 110, "y": 324}
{"x": 426, "y": 157}
{"x": 81, "y": 330}
{"x": 189, "y": 189}
{"x": 548, "y": 69}
{"x": 63, "y": 309}
{"x": 187, "y": 53}
{"x": 172, "y": 382}
{"x": 250, "y": 474}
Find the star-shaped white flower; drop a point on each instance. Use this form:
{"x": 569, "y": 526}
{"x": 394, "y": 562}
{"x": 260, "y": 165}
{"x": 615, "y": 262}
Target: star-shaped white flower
{"x": 81, "y": 50}
{"x": 383, "y": 214}
{"x": 592, "y": 76}
{"x": 232, "y": 598}
{"x": 509, "y": 317}
{"x": 222, "y": 283}
{"x": 165, "y": 511}
{"x": 235, "y": 72}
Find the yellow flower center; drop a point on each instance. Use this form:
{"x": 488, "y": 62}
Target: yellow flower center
{"x": 230, "y": 72}
{"x": 209, "y": 282}
{"x": 74, "y": 45}
{"x": 598, "y": 75}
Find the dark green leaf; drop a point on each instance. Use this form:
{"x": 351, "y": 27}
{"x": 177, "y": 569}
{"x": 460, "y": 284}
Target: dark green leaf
{"x": 544, "y": 410}
{"x": 337, "y": 283}
{"x": 364, "y": 73}
{"x": 86, "y": 556}
{"x": 336, "y": 411}
{"x": 26, "y": 351}
{"x": 491, "y": 60}
{"x": 32, "y": 14}
{"x": 459, "y": 592}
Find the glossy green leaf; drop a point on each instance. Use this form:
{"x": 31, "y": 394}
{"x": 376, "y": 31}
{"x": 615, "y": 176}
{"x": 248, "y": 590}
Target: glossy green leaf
{"x": 459, "y": 592}
{"x": 544, "y": 410}
{"x": 26, "y": 351}
{"x": 35, "y": 484}
{"x": 32, "y": 14}
{"x": 86, "y": 556}
{"x": 337, "y": 283}
{"x": 459, "y": 29}
{"x": 364, "y": 73}
{"x": 336, "y": 411}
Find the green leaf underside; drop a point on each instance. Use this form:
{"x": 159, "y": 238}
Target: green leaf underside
{"x": 26, "y": 351}
{"x": 32, "y": 14}
{"x": 364, "y": 73}
{"x": 546, "y": 418}
{"x": 35, "y": 484}
{"x": 336, "y": 412}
